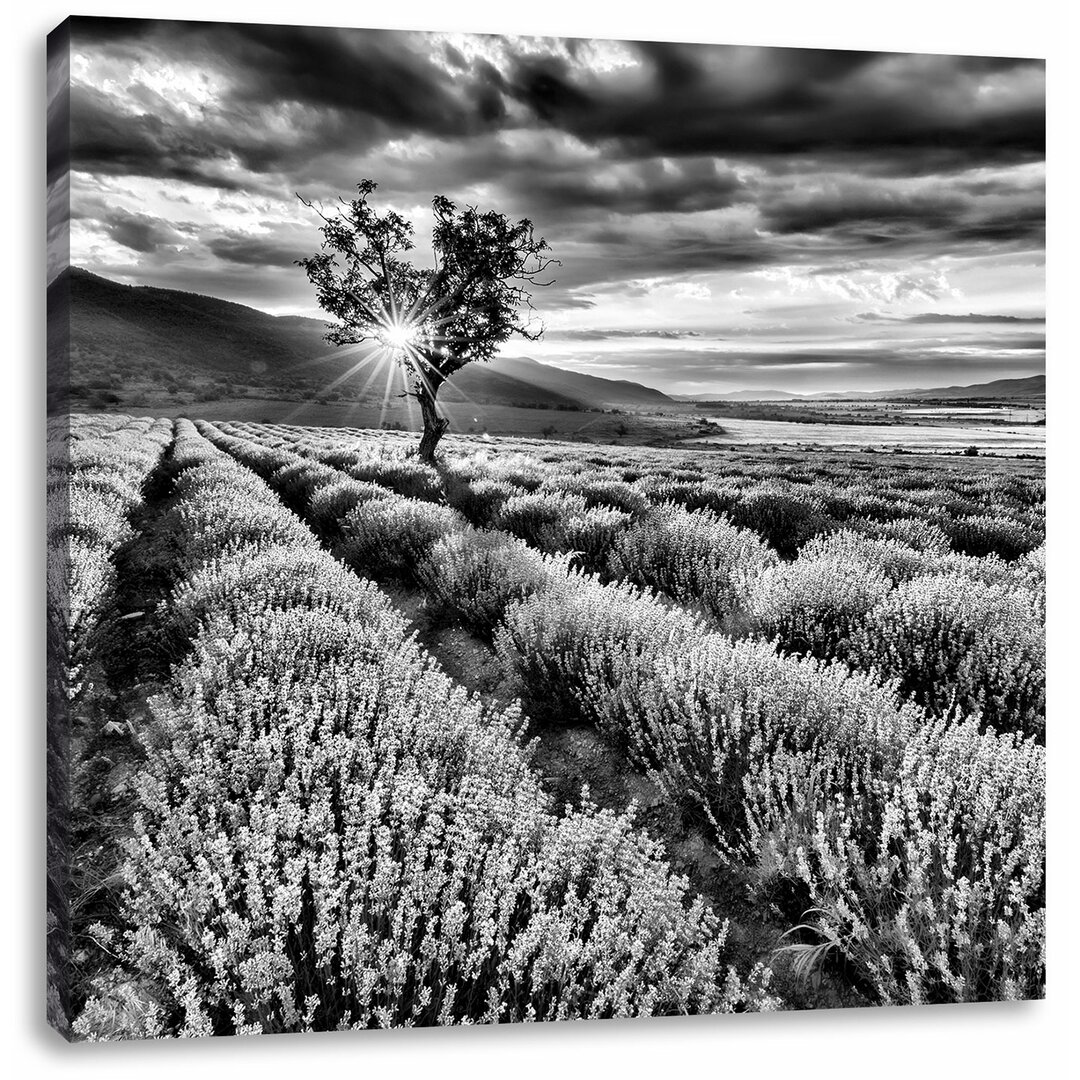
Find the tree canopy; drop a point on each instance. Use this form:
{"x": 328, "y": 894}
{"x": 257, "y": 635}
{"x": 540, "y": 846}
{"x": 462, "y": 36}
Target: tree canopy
{"x": 434, "y": 320}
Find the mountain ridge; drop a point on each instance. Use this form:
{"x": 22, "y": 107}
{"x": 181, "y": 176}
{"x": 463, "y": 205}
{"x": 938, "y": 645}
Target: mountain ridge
{"x": 127, "y": 338}
{"x": 1028, "y": 386}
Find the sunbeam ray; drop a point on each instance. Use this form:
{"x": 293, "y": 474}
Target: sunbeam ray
{"x": 390, "y": 368}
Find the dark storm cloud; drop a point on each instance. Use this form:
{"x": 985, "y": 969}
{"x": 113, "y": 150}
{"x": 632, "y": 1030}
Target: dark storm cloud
{"x": 557, "y": 183}
{"x": 852, "y": 178}
{"x": 256, "y": 250}
{"x": 642, "y": 187}
{"x": 794, "y": 212}
{"x": 379, "y": 73}
{"x": 105, "y": 29}
{"x": 1004, "y": 342}
{"x": 635, "y": 252}
{"x": 889, "y": 361}
{"x": 58, "y": 96}
{"x": 695, "y": 99}
{"x": 943, "y": 212}
{"x": 1032, "y": 343}
{"x": 455, "y": 57}
{"x": 546, "y": 85}
{"x": 611, "y": 335}
{"x": 307, "y": 107}
{"x": 569, "y": 302}
{"x": 359, "y": 88}
{"x": 729, "y": 100}
{"x": 1025, "y": 226}
{"x": 57, "y": 142}
{"x": 881, "y": 357}
{"x": 936, "y": 317}
{"x": 104, "y": 140}
{"x": 140, "y": 232}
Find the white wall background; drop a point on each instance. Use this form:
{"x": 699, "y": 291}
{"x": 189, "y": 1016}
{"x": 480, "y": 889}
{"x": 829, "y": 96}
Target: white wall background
{"x": 1030, "y": 1041}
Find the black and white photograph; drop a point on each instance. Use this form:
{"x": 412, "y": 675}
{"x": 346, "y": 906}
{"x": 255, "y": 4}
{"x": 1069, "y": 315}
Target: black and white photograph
{"x": 539, "y": 528}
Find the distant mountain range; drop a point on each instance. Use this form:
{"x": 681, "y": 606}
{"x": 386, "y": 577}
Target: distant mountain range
{"x": 1032, "y": 387}
{"x": 135, "y": 343}
{"x": 477, "y": 379}
{"x": 133, "y": 340}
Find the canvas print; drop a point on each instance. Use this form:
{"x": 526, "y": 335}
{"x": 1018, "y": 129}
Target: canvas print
{"x": 539, "y": 529}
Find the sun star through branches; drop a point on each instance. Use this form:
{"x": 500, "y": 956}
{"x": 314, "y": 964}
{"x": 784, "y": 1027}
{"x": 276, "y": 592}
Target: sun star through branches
{"x": 399, "y": 335}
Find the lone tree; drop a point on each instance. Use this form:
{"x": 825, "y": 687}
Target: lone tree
{"x": 432, "y": 322}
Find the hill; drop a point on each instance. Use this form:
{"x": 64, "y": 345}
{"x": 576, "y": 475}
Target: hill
{"x": 136, "y": 342}
{"x": 590, "y": 390}
{"x": 1032, "y": 387}
{"x": 110, "y": 321}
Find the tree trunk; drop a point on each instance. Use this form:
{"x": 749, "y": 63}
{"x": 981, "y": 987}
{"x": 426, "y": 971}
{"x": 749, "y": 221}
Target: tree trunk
{"x": 434, "y": 424}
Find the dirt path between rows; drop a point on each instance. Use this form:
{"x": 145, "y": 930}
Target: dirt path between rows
{"x": 575, "y": 759}
{"x": 131, "y": 670}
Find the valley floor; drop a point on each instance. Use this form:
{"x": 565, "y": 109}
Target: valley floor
{"x": 688, "y": 427}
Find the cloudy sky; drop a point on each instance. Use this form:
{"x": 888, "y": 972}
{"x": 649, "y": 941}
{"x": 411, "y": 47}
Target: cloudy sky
{"x": 726, "y": 217}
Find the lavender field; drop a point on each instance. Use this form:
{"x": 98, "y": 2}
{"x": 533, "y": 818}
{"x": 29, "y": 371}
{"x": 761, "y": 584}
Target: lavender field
{"x": 543, "y": 731}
